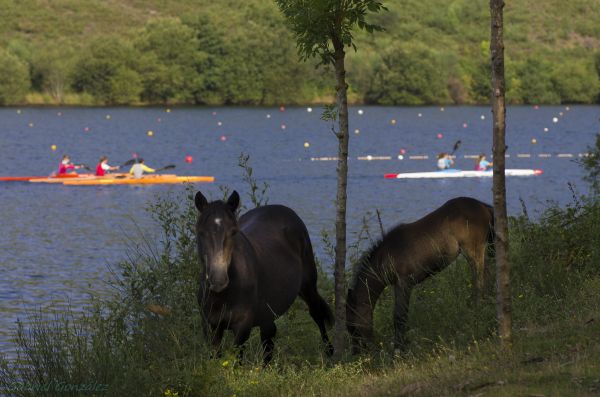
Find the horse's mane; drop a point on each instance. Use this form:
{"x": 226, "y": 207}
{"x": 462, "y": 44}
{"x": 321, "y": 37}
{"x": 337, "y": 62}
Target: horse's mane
{"x": 215, "y": 206}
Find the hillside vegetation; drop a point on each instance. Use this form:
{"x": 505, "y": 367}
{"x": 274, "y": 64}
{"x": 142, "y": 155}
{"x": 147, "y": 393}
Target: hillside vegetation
{"x": 98, "y": 52}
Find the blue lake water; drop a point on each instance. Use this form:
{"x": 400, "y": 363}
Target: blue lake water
{"x": 56, "y": 241}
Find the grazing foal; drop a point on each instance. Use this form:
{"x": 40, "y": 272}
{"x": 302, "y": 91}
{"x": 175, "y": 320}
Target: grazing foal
{"x": 254, "y": 269}
{"x": 409, "y": 253}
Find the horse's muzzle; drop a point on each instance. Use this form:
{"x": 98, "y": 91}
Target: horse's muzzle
{"x": 218, "y": 285}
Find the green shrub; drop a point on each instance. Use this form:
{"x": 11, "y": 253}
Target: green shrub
{"x": 14, "y": 78}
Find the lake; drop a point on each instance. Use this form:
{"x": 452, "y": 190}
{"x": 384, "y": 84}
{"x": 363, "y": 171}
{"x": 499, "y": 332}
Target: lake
{"x": 56, "y": 241}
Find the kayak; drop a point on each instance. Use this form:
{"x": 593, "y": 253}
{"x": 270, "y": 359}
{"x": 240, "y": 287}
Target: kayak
{"x": 61, "y": 178}
{"x": 53, "y": 177}
{"x": 144, "y": 180}
{"x": 454, "y": 173}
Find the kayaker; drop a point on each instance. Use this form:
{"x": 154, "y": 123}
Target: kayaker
{"x": 138, "y": 169}
{"x": 102, "y": 168}
{"x": 444, "y": 161}
{"x": 482, "y": 164}
{"x": 65, "y": 165}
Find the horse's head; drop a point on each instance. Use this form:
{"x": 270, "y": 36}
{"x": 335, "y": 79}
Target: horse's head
{"x": 359, "y": 321}
{"x": 215, "y": 230}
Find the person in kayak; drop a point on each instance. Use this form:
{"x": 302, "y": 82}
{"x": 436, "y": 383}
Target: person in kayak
{"x": 138, "y": 169}
{"x": 65, "y": 165}
{"x": 444, "y": 161}
{"x": 102, "y": 168}
{"x": 482, "y": 164}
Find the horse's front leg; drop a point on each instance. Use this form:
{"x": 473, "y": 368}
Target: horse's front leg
{"x": 402, "y": 291}
{"x": 267, "y": 333}
{"x": 241, "y": 332}
{"x": 214, "y": 334}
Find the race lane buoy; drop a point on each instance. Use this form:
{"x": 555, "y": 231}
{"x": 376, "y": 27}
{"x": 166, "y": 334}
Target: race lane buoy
{"x": 189, "y": 159}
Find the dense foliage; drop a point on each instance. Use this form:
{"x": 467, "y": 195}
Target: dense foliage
{"x": 229, "y": 52}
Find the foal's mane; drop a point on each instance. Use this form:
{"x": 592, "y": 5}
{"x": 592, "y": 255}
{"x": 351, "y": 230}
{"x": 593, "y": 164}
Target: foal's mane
{"x": 365, "y": 263}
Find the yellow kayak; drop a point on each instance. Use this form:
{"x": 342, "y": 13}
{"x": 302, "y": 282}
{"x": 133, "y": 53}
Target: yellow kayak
{"x": 144, "y": 180}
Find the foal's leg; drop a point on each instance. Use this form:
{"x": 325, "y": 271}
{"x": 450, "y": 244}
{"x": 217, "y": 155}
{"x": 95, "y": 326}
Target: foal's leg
{"x": 402, "y": 291}
{"x": 267, "y": 333}
{"x": 476, "y": 258}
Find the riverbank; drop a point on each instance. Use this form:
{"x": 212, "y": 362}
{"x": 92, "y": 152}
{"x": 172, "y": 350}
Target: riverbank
{"x": 130, "y": 347}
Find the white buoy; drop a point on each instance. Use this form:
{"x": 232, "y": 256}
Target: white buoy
{"x": 482, "y": 117}
{"x": 546, "y": 129}
{"x": 309, "y": 110}
{"x": 420, "y": 115}
{"x": 268, "y": 116}
{"x": 555, "y": 120}
{"x": 357, "y": 131}
{"x": 360, "y": 111}
{"x": 400, "y": 157}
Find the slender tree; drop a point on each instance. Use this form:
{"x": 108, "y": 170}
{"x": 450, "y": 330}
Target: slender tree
{"x": 323, "y": 29}
{"x": 503, "y": 298}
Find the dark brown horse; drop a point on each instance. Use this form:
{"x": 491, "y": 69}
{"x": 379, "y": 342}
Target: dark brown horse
{"x": 255, "y": 268}
{"x": 409, "y": 253}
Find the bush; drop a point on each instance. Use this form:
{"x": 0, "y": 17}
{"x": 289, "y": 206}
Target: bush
{"x": 14, "y": 78}
{"x": 409, "y": 76}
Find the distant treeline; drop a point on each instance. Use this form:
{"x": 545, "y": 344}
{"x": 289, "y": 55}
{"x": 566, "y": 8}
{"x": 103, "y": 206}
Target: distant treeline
{"x": 241, "y": 53}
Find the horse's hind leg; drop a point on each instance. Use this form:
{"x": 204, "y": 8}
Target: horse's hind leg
{"x": 402, "y": 292}
{"x": 267, "y": 333}
{"x": 319, "y": 311}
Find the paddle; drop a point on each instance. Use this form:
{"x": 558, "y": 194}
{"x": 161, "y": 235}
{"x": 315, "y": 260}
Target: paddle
{"x": 456, "y": 146}
{"x": 127, "y": 163}
{"x": 85, "y": 166}
{"x": 166, "y": 167}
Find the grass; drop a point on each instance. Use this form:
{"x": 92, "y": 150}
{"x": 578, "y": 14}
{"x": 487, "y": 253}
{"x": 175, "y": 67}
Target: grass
{"x": 128, "y": 347}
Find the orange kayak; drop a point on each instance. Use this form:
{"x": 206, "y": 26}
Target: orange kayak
{"x": 144, "y": 180}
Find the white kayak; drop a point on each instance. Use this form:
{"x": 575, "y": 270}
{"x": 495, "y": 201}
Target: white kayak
{"x": 454, "y": 173}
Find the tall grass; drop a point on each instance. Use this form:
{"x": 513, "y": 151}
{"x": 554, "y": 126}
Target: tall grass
{"x": 145, "y": 339}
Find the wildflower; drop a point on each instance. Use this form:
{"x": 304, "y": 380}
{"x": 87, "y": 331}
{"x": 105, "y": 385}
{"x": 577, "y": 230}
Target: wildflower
{"x": 169, "y": 393}
{"x": 225, "y": 364}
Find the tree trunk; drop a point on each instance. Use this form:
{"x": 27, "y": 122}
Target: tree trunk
{"x": 503, "y": 296}
{"x": 340, "y": 219}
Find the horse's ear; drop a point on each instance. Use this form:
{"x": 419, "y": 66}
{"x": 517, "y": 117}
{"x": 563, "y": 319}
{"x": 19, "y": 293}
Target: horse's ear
{"x": 233, "y": 201}
{"x": 200, "y": 201}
